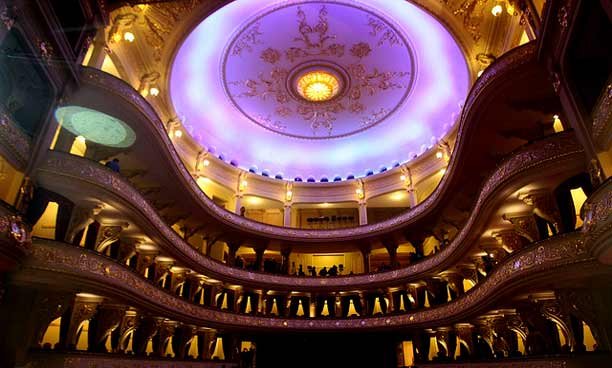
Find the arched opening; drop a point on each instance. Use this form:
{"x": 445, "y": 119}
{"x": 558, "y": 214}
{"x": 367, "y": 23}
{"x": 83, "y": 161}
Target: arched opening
{"x": 52, "y": 334}
{"x": 82, "y": 336}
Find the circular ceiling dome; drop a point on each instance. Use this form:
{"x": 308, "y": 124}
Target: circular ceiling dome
{"x": 312, "y": 88}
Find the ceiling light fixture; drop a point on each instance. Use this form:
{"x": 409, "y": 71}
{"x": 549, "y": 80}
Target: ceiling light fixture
{"x": 154, "y": 91}
{"x": 318, "y": 86}
{"x": 178, "y": 133}
{"x": 129, "y": 37}
{"x": 439, "y": 154}
{"x": 206, "y": 162}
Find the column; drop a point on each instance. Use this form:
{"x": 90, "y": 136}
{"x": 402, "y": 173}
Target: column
{"x": 391, "y": 247}
{"x": 259, "y": 253}
{"x": 363, "y": 213}
{"x": 231, "y": 255}
{"x": 237, "y": 208}
{"x": 287, "y": 215}
{"x": 391, "y": 306}
{"x": 412, "y": 197}
{"x": 285, "y": 253}
{"x": 366, "y": 251}
{"x": 97, "y": 53}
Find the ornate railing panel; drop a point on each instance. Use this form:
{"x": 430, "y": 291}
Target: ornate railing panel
{"x": 54, "y": 262}
{"x": 556, "y": 151}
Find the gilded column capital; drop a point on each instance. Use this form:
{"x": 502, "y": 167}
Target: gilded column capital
{"x": 524, "y": 225}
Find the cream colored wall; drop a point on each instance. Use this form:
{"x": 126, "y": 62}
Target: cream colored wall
{"x": 10, "y": 181}
{"x": 272, "y": 216}
{"x": 352, "y": 261}
{"x": 45, "y": 227}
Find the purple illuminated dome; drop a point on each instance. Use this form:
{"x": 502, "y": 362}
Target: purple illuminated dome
{"x": 313, "y": 88}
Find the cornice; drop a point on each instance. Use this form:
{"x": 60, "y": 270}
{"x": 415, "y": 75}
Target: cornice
{"x": 502, "y": 69}
{"x": 56, "y": 264}
{"x": 554, "y": 152}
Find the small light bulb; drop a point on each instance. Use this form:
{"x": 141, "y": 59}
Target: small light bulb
{"x": 510, "y": 9}
{"x": 497, "y": 10}
{"x": 178, "y": 133}
{"x": 403, "y": 178}
{"x": 442, "y": 171}
{"x": 129, "y": 37}
{"x": 556, "y": 117}
{"x": 116, "y": 37}
{"x": 244, "y": 183}
{"x": 154, "y": 91}
{"x": 439, "y": 154}
{"x": 80, "y": 138}
{"x": 480, "y": 73}
{"x": 206, "y": 162}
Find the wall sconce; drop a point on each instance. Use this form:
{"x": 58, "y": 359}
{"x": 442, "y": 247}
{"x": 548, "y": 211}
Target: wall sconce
{"x": 243, "y": 184}
{"x": 289, "y": 196}
{"x": 498, "y": 8}
{"x": 206, "y": 162}
{"x": 154, "y": 91}
{"x": 178, "y": 133}
{"x": 129, "y": 37}
{"x": 359, "y": 193}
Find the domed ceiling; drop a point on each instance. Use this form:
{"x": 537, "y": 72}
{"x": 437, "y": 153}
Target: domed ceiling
{"x": 318, "y": 88}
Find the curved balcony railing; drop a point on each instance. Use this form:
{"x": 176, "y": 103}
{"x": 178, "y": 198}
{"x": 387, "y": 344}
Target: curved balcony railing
{"x": 503, "y": 69}
{"x": 54, "y": 263}
{"x": 559, "y": 152}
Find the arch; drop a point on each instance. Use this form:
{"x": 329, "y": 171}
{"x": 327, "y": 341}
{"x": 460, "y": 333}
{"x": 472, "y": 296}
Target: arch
{"x": 82, "y": 335}
{"x": 52, "y": 334}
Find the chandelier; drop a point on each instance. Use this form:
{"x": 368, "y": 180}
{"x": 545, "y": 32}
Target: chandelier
{"x": 318, "y": 86}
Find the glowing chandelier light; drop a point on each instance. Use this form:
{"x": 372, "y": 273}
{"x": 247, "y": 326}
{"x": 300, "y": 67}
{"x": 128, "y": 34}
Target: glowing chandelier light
{"x": 318, "y": 86}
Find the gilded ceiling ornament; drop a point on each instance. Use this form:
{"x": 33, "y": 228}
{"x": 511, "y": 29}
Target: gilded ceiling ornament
{"x": 472, "y": 13}
{"x": 311, "y": 48}
{"x": 360, "y": 50}
{"x": 270, "y": 55}
{"x": 314, "y": 38}
{"x": 267, "y": 122}
{"x": 375, "y": 116}
{"x": 387, "y": 34}
{"x": 248, "y": 39}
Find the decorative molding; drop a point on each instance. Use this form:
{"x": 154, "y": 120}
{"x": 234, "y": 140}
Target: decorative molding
{"x": 532, "y": 158}
{"x": 101, "y": 274}
{"x": 12, "y": 139}
{"x": 602, "y": 119}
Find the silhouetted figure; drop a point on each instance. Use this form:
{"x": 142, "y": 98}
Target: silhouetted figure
{"x": 333, "y": 271}
{"x": 323, "y": 271}
{"x": 313, "y": 271}
{"x": 242, "y": 211}
{"x": 301, "y": 271}
{"x": 239, "y": 262}
{"x": 113, "y": 164}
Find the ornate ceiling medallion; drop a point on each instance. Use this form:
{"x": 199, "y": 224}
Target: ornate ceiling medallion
{"x": 336, "y": 69}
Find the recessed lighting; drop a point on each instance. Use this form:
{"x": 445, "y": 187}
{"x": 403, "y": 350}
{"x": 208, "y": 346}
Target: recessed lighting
{"x": 244, "y": 183}
{"x": 403, "y": 178}
{"x": 178, "y": 133}
{"x": 80, "y": 138}
{"x": 154, "y": 91}
{"x": 129, "y": 37}
{"x": 439, "y": 154}
{"x": 398, "y": 196}
{"x": 206, "y": 162}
